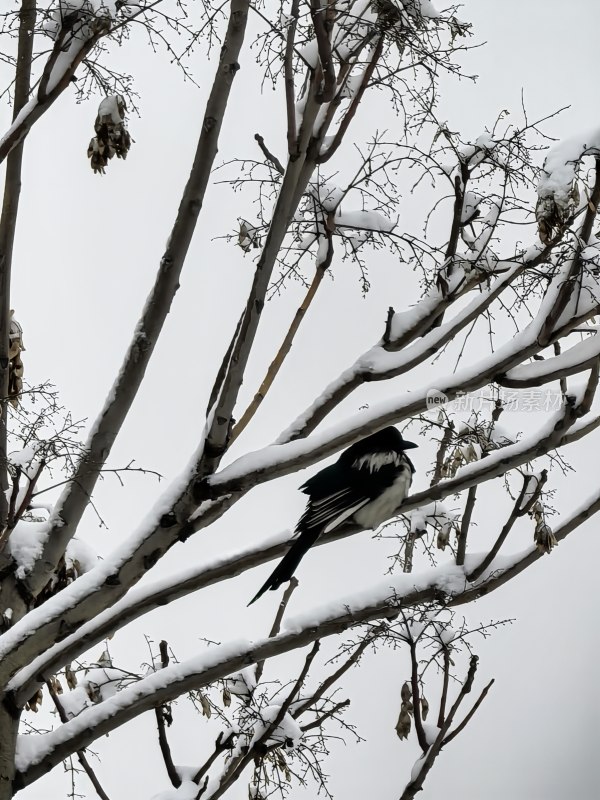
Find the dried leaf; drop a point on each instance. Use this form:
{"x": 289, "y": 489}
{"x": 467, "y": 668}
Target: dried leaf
{"x": 424, "y": 708}
{"x": 104, "y": 660}
{"x": 443, "y": 538}
{"x": 403, "y": 725}
{"x": 544, "y": 538}
{"x": 35, "y": 701}
{"x": 70, "y": 677}
{"x": 93, "y": 692}
{"x": 205, "y": 705}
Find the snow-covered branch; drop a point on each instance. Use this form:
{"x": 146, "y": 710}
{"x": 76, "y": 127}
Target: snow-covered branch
{"x": 38, "y": 754}
{"x": 281, "y": 459}
{"x": 75, "y": 37}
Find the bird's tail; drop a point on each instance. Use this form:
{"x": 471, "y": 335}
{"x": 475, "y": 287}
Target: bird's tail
{"x": 287, "y": 566}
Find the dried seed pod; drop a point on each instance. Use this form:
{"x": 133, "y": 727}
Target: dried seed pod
{"x": 443, "y": 538}
{"x": 15, "y": 367}
{"x": 205, "y": 705}
{"x": 226, "y": 697}
{"x": 70, "y": 677}
{"x": 104, "y": 660}
{"x": 405, "y": 692}
{"x": 93, "y": 692}
{"x": 112, "y": 137}
{"x": 280, "y": 760}
{"x": 35, "y": 701}
{"x": 404, "y": 724}
{"x": 424, "y": 708}
{"x": 544, "y": 538}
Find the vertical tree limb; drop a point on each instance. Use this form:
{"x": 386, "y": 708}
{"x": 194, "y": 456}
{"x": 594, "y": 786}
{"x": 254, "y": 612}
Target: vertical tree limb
{"x": 288, "y": 71}
{"x": 461, "y": 550}
{"x": 9, "y": 718}
{"x": 161, "y": 723}
{"x": 8, "y": 225}
{"x": 75, "y": 497}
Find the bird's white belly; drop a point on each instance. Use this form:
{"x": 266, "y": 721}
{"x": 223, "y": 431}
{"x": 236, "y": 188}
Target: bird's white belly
{"x": 383, "y": 507}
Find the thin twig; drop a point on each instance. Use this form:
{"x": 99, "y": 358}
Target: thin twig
{"x": 444, "y": 697}
{"x": 467, "y": 719}
{"x": 284, "y": 349}
{"x": 519, "y": 509}
{"x": 161, "y": 722}
{"x": 221, "y": 744}
{"x": 461, "y": 550}
{"x": 80, "y": 753}
{"x": 431, "y": 753}
{"x": 293, "y": 584}
{"x": 268, "y": 154}
{"x": 317, "y": 723}
{"x": 259, "y": 747}
{"x": 333, "y": 678}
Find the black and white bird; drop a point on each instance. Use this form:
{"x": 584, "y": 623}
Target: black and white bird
{"x": 365, "y": 485}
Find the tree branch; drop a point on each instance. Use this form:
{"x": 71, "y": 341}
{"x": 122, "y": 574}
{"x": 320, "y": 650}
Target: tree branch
{"x": 8, "y": 225}
{"x": 75, "y": 498}
{"x": 80, "y": 753}
{"x": 495, "y": 464}
{"x": 464, "y": 526}
{"x": 518, "y": 510}
{"x": 467, "y": 719}
{"x": 432, "y": 752}
{"x": 163, "y": 742}
{"x": 284, "y": 348}
{"x": 291, "y": 587}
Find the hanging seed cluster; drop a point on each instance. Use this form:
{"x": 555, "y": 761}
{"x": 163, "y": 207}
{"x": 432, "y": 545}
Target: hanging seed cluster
{"x": 471, "y": 444}
{"x": 404, "y": 723}
{"x": 552, "y": 217}
{"x": 112, "y": 137}
{"x": 15, "y": 368}
{"x": 543, "y": 536}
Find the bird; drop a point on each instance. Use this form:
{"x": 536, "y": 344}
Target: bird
{"x": 366, "y": 485}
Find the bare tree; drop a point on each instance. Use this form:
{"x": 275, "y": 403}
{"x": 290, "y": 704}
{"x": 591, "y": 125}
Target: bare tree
{"x": 490, "y": 249}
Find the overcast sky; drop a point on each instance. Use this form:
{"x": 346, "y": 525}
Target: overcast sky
{"x": 86, "y": 254}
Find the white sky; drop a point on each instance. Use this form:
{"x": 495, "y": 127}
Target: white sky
{"x": 85, "y": 258}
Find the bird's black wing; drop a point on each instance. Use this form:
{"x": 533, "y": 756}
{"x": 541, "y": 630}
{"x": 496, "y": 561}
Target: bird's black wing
{"x": 335, "y": 493}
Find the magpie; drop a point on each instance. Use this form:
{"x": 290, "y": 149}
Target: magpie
{"x": 365, "y": 485}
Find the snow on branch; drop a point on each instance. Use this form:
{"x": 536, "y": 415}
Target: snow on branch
{"x": 142, "y": 599}
{"x": 558, "y": 194}
{"x": 447, "y": 585}
{"x": 103, "y": 585}
{"x": 37, "y": 754}
{"x": 578, "y": 358}
{"x": 281, "y": 459}
{"x": 75, "y": 35}
{"x": 504, "y": 568}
